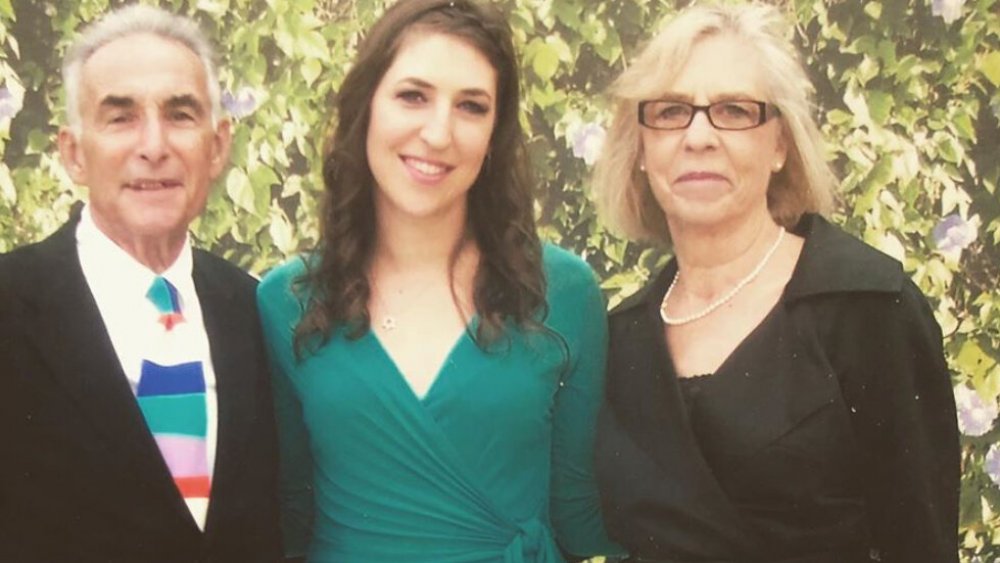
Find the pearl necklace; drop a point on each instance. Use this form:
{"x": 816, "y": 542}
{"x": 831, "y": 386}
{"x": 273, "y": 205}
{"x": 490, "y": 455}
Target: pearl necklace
{"x": 667, "y": 319}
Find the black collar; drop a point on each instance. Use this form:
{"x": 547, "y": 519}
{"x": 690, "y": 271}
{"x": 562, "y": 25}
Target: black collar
{"x": 832, "y": 261}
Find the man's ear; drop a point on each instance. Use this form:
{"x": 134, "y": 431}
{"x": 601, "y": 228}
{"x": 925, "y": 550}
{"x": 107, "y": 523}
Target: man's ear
{"x": 221, "y": 143}
{"x": 71, "y": 155}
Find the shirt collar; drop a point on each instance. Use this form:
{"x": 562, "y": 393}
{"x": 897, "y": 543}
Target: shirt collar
{"x": 119, "y": 267}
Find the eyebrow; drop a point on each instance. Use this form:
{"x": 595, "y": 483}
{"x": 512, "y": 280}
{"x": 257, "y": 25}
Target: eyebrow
{"x": 173, "y": 102}
{"x": 420, "y": 83}
{"x": 186, "y": 101}
{"x": 117, "y": 102}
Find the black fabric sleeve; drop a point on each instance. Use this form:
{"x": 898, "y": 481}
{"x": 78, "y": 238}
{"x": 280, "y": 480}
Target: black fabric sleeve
{"x": 895, "y": 380}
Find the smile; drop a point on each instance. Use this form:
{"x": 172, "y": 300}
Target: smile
{"x": 426, "y": 167}
{"x": 146, "y": 185}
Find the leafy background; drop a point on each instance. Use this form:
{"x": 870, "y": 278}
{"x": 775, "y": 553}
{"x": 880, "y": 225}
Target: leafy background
{"x": 907, "y": 95}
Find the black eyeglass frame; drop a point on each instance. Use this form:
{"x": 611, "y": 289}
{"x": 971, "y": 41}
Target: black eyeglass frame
{"x": 767, "y": 111}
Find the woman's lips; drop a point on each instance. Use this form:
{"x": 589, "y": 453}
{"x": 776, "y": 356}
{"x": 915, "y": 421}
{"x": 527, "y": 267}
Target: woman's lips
{"x": 426, "y": 171}
{"x": 700, "y": 176}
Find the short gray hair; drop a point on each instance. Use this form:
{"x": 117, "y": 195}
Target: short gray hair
{"x": 805, "y": 184}
{"x": 131, "y": 20}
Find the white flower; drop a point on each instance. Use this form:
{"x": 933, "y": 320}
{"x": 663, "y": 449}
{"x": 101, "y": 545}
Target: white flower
{"x": 953, "y": 234}
{"x": 10, "y": 104}
{"x": 991, "y": 463}
{"x": 975, "y": 416}
{"x": 240, "y": 104}
{"x": 949, "y": 10}
{"x": 587, "y": 141}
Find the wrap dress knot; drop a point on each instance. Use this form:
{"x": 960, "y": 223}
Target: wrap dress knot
{"x": 533, "y": 543}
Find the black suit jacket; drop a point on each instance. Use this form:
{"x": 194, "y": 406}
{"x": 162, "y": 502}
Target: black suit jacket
{"x": 81, "y": 478}
{"x": 828, "y": 435}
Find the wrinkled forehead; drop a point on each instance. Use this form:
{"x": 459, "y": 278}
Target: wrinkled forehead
{"x": 719, "y": 65}
{"x": 143, "y": 65}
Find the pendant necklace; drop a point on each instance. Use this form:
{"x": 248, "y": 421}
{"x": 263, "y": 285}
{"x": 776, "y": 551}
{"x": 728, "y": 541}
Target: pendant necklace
{"x": 674, "y": 321}
{"x": 388, "y": 320}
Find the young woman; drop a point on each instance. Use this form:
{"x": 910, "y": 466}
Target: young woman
{"x": 438, "y": 369}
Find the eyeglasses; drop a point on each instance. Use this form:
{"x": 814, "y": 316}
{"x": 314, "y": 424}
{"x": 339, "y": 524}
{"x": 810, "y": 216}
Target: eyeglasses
{"x": 727, "y": 115}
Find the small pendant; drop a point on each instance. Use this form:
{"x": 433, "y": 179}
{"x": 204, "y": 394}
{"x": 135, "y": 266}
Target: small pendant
{"x": 388, "y": 323}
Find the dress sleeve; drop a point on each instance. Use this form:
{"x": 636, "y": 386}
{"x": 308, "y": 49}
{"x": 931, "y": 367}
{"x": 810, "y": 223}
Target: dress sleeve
{"x": 579, "y": 316}
{"x": 897, "y": 385}
{"x": 279, "y": 312}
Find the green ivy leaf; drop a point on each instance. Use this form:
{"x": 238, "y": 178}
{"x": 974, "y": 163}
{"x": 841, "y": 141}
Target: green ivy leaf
{"x": 964, "y": 126}
{"x": 567, "y": 12}
{"x": 880, "y": 106}
{"x": 282, "y": 234}
{"x": 990, "y": 67}
{"x": 239, "y": 190}
{"x": 311, "y": 68}
{"x": 311, "y": 44}
{"x": 7, "y": 189}
{"x": 867, "y": 69}
{"x": 873, "y": 9}
{"x": 838, "y": 117}
{"x": 973, "y": 360}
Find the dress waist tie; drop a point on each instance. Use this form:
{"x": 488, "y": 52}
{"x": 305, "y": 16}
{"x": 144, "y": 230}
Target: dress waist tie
{"x": 532, "y": 543}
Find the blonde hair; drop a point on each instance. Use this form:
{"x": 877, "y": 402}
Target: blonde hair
{"x": 805, "y": 184}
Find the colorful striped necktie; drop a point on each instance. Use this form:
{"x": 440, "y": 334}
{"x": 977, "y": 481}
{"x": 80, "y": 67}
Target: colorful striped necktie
{"x": 172, "y": 398}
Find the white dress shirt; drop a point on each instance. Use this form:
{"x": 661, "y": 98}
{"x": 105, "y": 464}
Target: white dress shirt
{"x": 119, "y": 284}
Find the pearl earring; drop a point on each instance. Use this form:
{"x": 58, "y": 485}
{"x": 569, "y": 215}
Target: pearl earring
{"x": 777, "y": 166}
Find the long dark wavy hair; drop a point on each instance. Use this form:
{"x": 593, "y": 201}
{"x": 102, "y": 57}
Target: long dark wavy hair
{"x": 509, "y": 284}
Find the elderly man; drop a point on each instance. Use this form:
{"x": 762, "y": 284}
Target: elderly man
{"x": 135, "y": 413}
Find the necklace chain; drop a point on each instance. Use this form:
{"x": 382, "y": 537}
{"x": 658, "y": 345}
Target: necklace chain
{"x": 673, "y": 321}
{"x": 388, "y": 320}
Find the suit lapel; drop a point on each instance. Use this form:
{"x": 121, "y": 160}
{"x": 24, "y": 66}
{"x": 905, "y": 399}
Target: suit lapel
{"x": 65, "y": 326}
{"x": 231, "y": 325}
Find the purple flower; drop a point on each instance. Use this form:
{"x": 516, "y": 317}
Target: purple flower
{"x": 953, "y": 233}
{"x": 975, "y": 416}
{"x": 587, "y": 141}
{"x": 949, "y": 10}
{"x": 10, "y": 105}
{"x": 991, "y": 463}
{"x": 240, "y": 104}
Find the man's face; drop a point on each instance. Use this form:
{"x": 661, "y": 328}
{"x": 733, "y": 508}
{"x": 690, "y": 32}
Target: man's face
{"x": 146, "y": 146}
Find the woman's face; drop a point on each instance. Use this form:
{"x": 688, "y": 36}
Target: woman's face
{"x": 432, "y": 116}
{"x": 702, "y": 176}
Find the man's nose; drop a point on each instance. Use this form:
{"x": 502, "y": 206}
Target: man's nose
{"x": 152, "y": 140}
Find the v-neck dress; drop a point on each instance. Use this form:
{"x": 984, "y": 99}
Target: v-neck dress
{"x": 493, "y": 464}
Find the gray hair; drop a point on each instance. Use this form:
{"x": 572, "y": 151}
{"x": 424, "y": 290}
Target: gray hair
{"x": 805, "y": 184}
{"x": 131, "y": 20}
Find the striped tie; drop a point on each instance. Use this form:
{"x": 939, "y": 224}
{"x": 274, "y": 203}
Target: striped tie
{"x": 172, "y": 398}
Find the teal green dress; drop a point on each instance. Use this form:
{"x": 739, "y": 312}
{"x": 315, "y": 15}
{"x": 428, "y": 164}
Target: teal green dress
{"x": 493, "y": 464}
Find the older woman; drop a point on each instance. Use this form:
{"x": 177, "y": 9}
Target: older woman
{"x": 778, "y": 392}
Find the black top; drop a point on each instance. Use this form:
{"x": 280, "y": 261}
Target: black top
{"x": 828, "y": 434}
